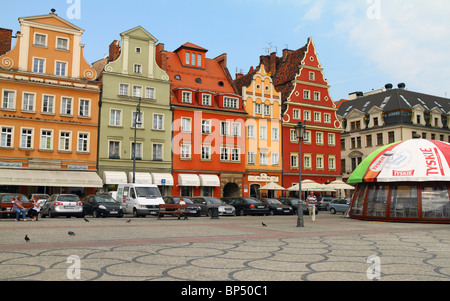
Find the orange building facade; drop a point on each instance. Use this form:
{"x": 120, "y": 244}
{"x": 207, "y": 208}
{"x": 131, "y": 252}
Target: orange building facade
{"x": 48, "y": 110}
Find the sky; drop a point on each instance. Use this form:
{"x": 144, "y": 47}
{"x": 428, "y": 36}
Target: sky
{"x": 361, "y": 44}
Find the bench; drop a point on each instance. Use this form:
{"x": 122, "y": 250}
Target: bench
{"x": 6, "y": 209}
{"x": 177, "y": 210}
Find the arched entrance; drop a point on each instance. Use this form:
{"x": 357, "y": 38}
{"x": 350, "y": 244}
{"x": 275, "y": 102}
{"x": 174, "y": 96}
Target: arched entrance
{"x": 231, "y": 190}
{"x": 254, "y": 190}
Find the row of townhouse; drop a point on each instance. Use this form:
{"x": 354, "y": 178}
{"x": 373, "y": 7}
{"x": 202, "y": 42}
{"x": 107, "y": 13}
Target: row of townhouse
{"x": 144, "y": 114}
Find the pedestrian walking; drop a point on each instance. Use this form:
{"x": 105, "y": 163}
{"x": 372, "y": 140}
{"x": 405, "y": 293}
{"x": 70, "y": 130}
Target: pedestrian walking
{"x": 34, "y": 212}
{"x": 19, "y": 208}
{"x": 311, "y": 200}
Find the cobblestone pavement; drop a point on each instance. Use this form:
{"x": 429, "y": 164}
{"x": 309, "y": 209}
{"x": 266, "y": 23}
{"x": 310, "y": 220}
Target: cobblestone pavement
{"x": 228, "y": 248}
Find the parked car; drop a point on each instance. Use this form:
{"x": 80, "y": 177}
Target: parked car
{"x": 293, "y": 202}
{"x": 102, "y": 205}
{"x": 247, "y": 206}
{"x": 338, "y": 205}
{"x": 277, "y": 208}
{"x": 322, "y": 204}
{"x": 6, "y": 205}
{"x": 192, "y": 209}
{"x": 41, "y": 196}
{"x": 63, "y": 204}
{"x": 206, "y": 203}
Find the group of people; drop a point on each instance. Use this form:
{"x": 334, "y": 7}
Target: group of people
{"x": 21, "y": 211}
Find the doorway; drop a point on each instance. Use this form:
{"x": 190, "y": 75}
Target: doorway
{"x": 231, "y": 190}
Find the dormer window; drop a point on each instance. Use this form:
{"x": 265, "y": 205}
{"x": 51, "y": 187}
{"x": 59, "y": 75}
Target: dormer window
{"x": 232, "y": 103}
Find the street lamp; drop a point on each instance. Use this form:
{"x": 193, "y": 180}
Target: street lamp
{"x": 136, "y": 122}
{"x": 300, "y": 132}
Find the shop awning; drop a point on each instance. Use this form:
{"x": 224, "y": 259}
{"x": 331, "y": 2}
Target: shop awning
{"x": 140, "y": 178}
{"x": 188, "y": 180}
{"x": 115, "y": 177}
{"x": 53, "y": 178}
{"x": 162, "y": 179}
{"x": 209, "y": 180}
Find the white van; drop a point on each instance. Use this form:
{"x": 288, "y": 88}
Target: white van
{"x": 139, "y": 199}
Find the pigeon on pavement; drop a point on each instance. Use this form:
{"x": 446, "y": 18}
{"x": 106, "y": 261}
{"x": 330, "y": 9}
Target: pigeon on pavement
{"x": 71, "y": 233}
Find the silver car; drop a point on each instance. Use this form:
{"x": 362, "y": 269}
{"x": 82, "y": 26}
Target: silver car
{"x": 63, "y": 204}
{"x": 207, "y": 203}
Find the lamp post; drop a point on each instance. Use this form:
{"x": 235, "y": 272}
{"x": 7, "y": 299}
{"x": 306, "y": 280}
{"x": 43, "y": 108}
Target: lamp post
{"x": 136, "y": 122}
{"x": 299, "y": 132}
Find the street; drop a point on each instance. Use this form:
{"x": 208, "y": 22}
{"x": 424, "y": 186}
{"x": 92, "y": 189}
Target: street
{"x": 229, "y": 248}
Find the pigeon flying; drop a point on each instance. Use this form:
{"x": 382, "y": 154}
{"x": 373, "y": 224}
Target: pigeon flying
{"x": 27, "y": 239}
{"x": 71, "y": 233}
{"x": 264, "y": 225}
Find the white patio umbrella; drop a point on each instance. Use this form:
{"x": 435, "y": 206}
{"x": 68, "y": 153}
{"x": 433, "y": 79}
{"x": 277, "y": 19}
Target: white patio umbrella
{"x": 339, "y": 184}
{"x": 272, "y": 186}
{"x": 307, "y": 185}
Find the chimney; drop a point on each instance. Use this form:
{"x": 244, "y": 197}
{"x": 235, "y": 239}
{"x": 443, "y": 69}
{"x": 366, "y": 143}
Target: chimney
{"x": 388, "y": 86}
{"x": 272, "y": 63}
{"x": 401, "y": 86}
{"x": 239, "y": 75}
{"x": 114, "y": 51}
{"x": 5, "y": 40}
{"x": 286, "y": 52}
{"x": 161, "y": 56}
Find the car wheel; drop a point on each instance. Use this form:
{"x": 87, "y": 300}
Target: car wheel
{"x": 241, "y": 212}
{"x": 96, "y": 214}
{"x": 51, "y": 215}
{"x": 333, "y": 211}
{"x": 271, "y": 213}
{"x": 135, "y": 214}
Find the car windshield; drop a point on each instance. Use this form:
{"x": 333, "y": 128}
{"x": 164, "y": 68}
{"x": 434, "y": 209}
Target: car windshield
{"x": 105, "y": 199}
{"x": 213, "y": 201}
{"x": 68, "y": 198}
{"x": 42, "y": 196}
{"x": 273, "y": 201}
{"x": 148, "y": 192}
{"x": 7, "y": 198}
{"x": 251, "y": 201}
{"x": 294, "y": 201}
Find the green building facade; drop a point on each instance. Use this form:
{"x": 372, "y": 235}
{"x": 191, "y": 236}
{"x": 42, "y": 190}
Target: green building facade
{"x": 135, "y": 106}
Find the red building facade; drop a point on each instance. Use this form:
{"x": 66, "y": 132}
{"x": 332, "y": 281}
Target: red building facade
{"x": 208, "y": 142}
{"x": 298, "y": 75}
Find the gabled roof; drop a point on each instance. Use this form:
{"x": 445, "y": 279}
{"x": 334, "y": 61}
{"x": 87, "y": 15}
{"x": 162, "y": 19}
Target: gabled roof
{"x": 52, "y": 20}
{"x": 191, "y": 46}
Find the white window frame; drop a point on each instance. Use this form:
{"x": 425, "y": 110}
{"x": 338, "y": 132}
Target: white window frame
{"x": 137, "y": 91}
{"x": 124, "y": 89}
{"x": 316, "y": 96}
{"x": 35, "y": 40}
{"x": 235, "y": 129}
{"x": 307, "y": 161}
{"x": 262, "y": 132}
{"x": 257, "y": 108}
{"x": 331, "y": 162}
{"x": 186, "y": 97}
{"x": 139, "y": 120}
{"x": 275, "y": 160}
{"x": 275, "y": 134}
{"x": 331, "y": 139}
{"x": 236, "y": 154}
{"x": 150, "y": 93}
{"x": 10, "y": 101}
{"x": 263, "y": 158}
{"x": 251, "y": 131}
{"x": 64, "y": 141}
{"x": 26, "y": 139}
{"x": 206, "y": 126}
{"x": 320, "y": 161}
{"x": 206, "y": 100}
{"x": 251, "y": 157}
{"x": 83, "y": 142}
{"x": 319, "y": 138}
{"x": 327, "y": 117}
{"x": 306, "y": 115}
{"x": 224, "y": 153}
{"x": 231, "y": 102}
{"x": 84, "y": 107}
{"x": 49, "y": 103}
{"x": 7, "y": 137}
{"x": 185, "y": 151}
{"x": 317, "y": 117}
{"x": 158, "y": 122}
{"x": 293, "y": 160}
{"x": 296, "y": 114}
{"x": 115, "y": 117}
{"x": 186, "y": 125}
{"x": 206, "y": 152}
{"x": 224, "y": 128}
{"x": 27, "y": 105}
{"x": 114, "y": 143}
{"x": 139, "y": 150}
{"x": 67, "y": 106}
{"x": 137, "y": 68}
{"x": 155, "y": 151}
{"x": 59, "y": 71}
{"x": 50, "y": 140}
{"x": 307, "y": 94}
{"x": 64, "y": 47}
{"x": 39, "y": 65}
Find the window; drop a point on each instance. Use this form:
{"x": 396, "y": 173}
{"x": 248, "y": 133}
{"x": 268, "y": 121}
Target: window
{"x": 250, "y": 157}
{"x": 331, "y": 139}
{"x": 193, "y": 59}
{"x": 368, "y": 140}
{"x": 186, "y": 97}
{"x": 317, "y": 117}
{"x": 138, "y": 49}
{"x": 123, "y": 89}
{"x": 307, "y": 115}
{"x": 149, "y": 93}
{"x": 137, "y": 120}
{"x": 40, "y": 40}
{"x": 114, "y": 150}
{"x": 60, "y": 69}
{"x": 185, "y": 151}
{"x": 224, "y": 128}
{"x": 332, "y": 163}
{"x": 355, "y": 125}
{"x": 311, "y": 76}
{"x": 38, "y": 65}
{"x": 236, "y": 129}
{"x": 8, "y": 99}
{"x": 232, "y": 103}
{"x": 206, "y": 100}
{"x": 28, "y": 102}
{"x": 262, "y": 158}
{"x": 62, "y": 44}
{"x": 257, "y": 108}
{"x": 317, "y": 96}
{"x": 64, "y": 141}
{"x": 266, "y": 110}
{"x": 294, "y": 160}
{"x": 137, "y": 68}
{"x": 47, "y": 104}
{"x": 380, "y": 139}
{"x": 275, "y": 134}
{"x": 319, "y": 162}
{"x": 157, "y": 152}
{"x": 224, "y": 154}
{"x": 206, "y": 126}
{"x": 84, "y": 107}
{"x": 307, "y": 137}
{"x": 115, "y": 117}
{"x": 275, "y": 159}
{"x": 206, "y": 152}
{"x": 319, "y": 138}
{"x": 187, "y": 58}
{"x": 46, "y": 139}
{"x": 391, "y": 137}
{"x": 307, "y": 161}
{"x": 7, "y": 136}
{"x": 185, "y": 125}
{"x": 83, "y": 142}
{"x": 251, "y": 131}
{"x": 263, "y": 133}
{"x": 327, "y": 118}
{"x": 137, "y": 91}
{"x": 158, "y": 122}
{"x": 26, "y": 140}
{"x": 136, "y": 151}
{"x": 306, "y": 94}
{"x": 66, "y": 106}
{"x": 293, "y": 136}
{"x": 296, "y": 114}
{"x": 199, "y": 60}
{"x": 235, "y": 154}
